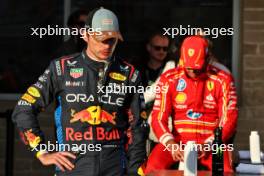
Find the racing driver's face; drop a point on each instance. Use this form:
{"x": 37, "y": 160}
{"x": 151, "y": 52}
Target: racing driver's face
{"x": 193, "y": 73}
{"x": 100, "y": 50}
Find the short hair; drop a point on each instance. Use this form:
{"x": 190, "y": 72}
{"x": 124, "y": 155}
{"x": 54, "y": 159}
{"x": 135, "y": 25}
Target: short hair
{"x": 156, "y": 33}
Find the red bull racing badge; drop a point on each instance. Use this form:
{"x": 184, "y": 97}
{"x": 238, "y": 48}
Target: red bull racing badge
{"x": 93, "y": 115}
{"x": 32, "y": 139}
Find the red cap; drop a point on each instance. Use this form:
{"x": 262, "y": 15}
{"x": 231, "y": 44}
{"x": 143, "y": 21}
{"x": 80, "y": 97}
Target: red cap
{"x": 193, "y": 52}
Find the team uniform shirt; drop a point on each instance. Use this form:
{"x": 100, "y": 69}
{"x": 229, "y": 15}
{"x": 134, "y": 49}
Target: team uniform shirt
{"x": 88, "y": 112}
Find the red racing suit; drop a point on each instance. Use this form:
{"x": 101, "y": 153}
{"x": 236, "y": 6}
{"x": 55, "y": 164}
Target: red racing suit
{"x": 197, "y": 106}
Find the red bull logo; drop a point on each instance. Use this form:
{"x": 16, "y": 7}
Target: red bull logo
{"x": 32, "y": 138}
{"x": 101, "y": 134}
{"x": 93, "y": 115}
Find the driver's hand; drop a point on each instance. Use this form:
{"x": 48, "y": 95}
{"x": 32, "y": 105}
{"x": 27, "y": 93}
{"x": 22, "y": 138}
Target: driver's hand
{"x": 175, "y": 150}
{"x": 60, "y": 159}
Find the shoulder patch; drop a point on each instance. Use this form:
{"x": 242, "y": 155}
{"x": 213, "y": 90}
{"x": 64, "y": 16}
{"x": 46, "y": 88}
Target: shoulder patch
{"x": 65, "y": 61}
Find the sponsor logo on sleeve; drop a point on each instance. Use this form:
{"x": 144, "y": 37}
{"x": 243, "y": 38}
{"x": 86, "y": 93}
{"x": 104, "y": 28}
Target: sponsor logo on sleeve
{"x": 28, "y": 98}
{"x": 58, "y": 67}
{"x": 33, "y": 91}
{"x": 32, "y": 138}
{"x": 43, "y": 78}
{"x": 23, "y": 103}
{"x": 47, "y": 71}
{"x": 38, "y": 85}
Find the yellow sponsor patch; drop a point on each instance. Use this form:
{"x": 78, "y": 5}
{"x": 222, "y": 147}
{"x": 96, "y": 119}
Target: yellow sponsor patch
{"x": 33, "y": 91}
{"x": 210, "y": 85}
{"x": 28, "y": 98}
{"x": 181, "y": 98}
{"x": 117, "y": 76}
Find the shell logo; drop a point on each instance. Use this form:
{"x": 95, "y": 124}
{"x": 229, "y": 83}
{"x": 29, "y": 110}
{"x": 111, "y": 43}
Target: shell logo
{"x": 181, "y": 98}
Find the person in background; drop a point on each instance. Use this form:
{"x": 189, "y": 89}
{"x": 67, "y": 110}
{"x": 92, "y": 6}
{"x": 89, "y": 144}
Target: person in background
{"x": 75, "y": 43}
{"x": 158, "y": 60}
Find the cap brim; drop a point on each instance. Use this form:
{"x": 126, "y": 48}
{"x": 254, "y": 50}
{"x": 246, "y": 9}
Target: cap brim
{"x": 107, "y": 35}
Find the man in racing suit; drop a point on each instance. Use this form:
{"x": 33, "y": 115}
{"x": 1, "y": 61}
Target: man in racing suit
{"x": 89, "y": 113}
{"x": 200, "y": 96}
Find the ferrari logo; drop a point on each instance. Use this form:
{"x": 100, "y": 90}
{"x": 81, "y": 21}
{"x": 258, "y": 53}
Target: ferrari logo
{"x": 210, "y": 85}
{"x": 190, "y": 52}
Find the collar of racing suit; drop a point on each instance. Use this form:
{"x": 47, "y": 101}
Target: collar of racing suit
{"x": 199, "y": 83}
{"x": 201, "y": 77}
{"x": 93, "y": 63}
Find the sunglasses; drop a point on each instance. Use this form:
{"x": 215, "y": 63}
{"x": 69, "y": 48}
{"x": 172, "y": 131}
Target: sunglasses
{"x": 158, "y": 48}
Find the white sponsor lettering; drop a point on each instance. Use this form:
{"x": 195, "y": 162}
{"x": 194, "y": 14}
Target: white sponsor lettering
{"x": 42, "y": 78}
{"x": 209, "y": 106}
{"x": 23, "y": 103}
{"x": 109, "y": 100}
{"x": 79, "y": 98}
{"x": 38, "y": 85}
{"x": 58, "y": 68}
{"x": 181, "y": 106}
{"x": 74, "y": 83}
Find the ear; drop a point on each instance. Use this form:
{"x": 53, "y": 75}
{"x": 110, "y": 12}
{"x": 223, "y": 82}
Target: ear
{"x": 85, "y": 36}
